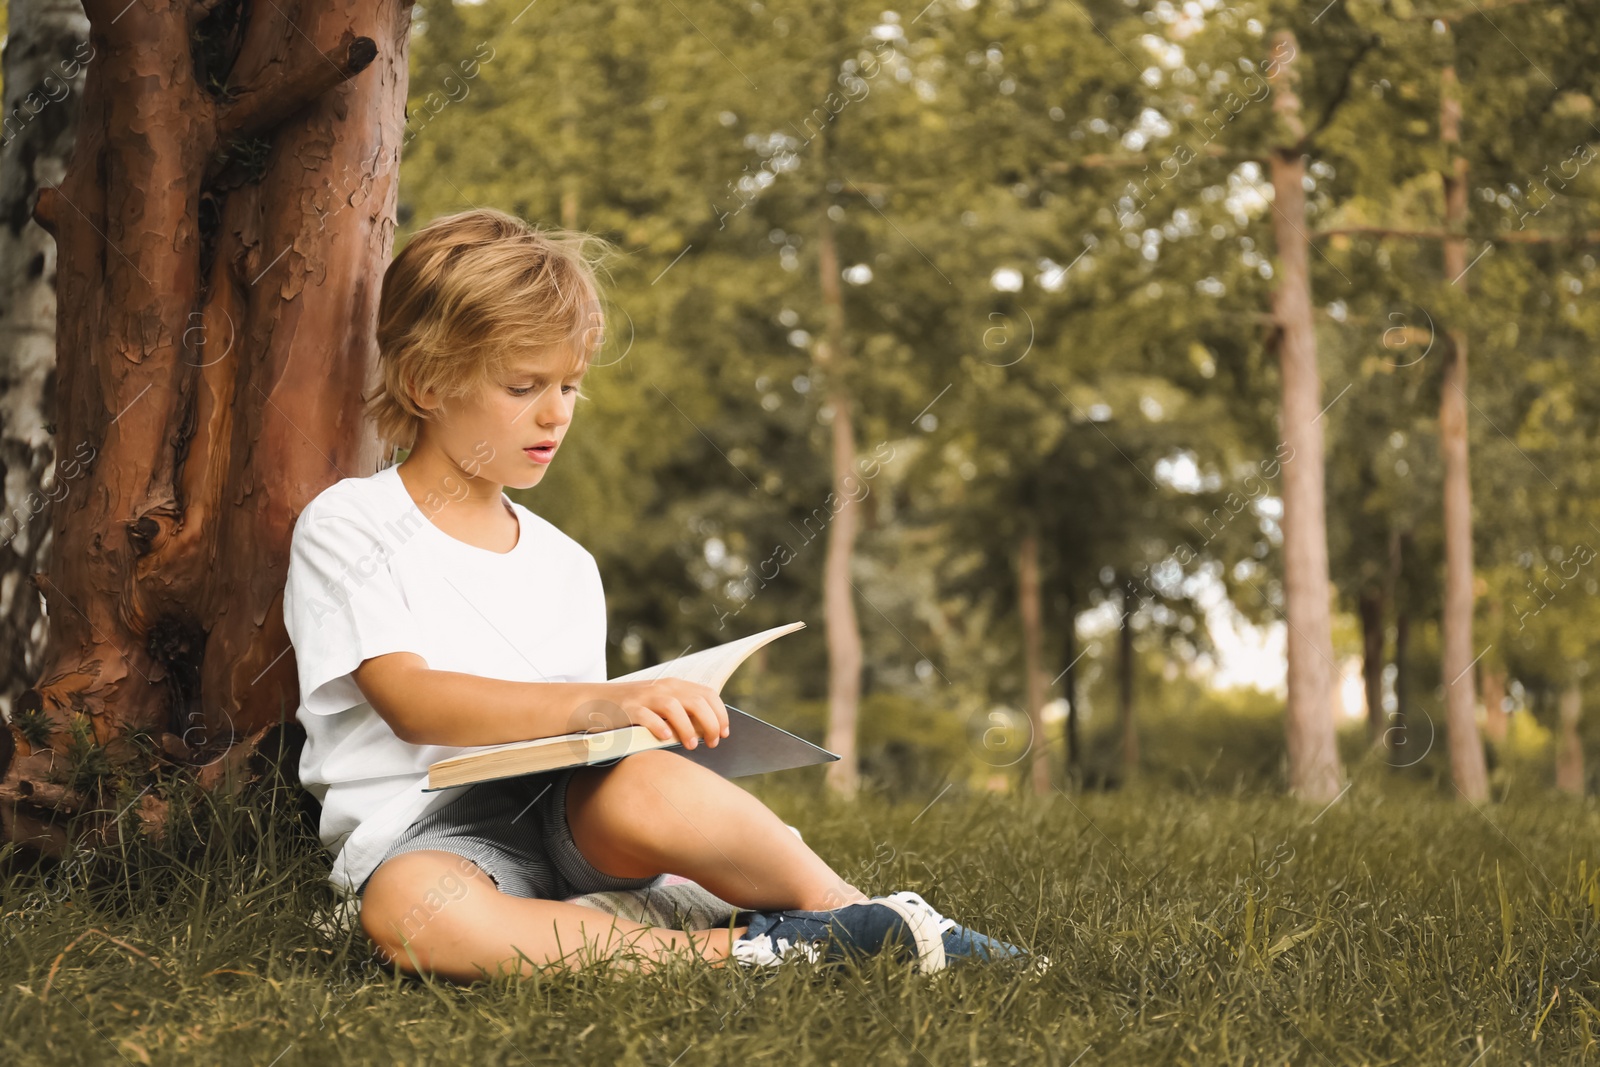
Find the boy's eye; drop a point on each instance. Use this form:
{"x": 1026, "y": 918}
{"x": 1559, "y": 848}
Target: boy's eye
{"x": 517, "y": 390}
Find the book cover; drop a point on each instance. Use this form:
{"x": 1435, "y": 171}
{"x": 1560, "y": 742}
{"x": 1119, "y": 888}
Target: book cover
{"x": 752, "y": 746}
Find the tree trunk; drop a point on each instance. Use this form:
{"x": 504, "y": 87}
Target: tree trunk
{"x": 1492, "y": 675}
{"x": 838, "y": 601}
{"x": 571, "y": 122}
{"x": 1569, "y": 746}
{"x": 1033, "y": 673}
{"x": 1395, "y": 736}
{"x": 1495, "y": 719}
{"x": 1467, "y": 767}
{"x": 1126, "y": 722}
{"x": 1391, "y": 596}
{"x": 1314, "y": 771}
{"x": 1069, "y": 691}
{"x": 47, "y": 47}
{"x": 222, "y": 227}
{"x": 1371, "y": 608}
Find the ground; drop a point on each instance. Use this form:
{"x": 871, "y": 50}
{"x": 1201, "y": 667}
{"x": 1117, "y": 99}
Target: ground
{"x": 1394, "y": 926}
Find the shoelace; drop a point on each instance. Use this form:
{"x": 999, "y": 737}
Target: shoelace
{"x": 758, "y": 951}
{"x": 1040, "y": 963}
{"x": 912, "y": 897}
{"x": 755, "y": 952}
{"x": 765, "y": 951}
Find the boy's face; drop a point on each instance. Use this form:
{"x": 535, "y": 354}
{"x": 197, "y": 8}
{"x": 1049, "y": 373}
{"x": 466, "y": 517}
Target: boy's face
{"x": 497, "y": 433}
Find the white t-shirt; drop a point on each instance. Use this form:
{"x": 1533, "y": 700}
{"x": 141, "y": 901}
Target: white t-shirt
{"x": 370, "y": 573}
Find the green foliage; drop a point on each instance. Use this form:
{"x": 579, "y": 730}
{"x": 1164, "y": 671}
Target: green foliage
{"x": 1054, "y": 233}
{"x": 1195, "y": 739}
{"x": 88, "y": 763}
{"x": 909, "y": 747}
{"x": 32, "y": 723}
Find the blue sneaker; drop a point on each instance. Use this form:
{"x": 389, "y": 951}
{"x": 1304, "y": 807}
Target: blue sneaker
{"x": 968, "y": 946}
{"x": 881, "y": 924}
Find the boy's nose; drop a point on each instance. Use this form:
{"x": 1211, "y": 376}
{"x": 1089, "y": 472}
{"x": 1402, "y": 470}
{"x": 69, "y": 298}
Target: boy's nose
{"x": 551, "y": 410}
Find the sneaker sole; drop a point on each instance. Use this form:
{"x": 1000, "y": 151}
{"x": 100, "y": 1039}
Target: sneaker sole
{"x": 924, "y": 930}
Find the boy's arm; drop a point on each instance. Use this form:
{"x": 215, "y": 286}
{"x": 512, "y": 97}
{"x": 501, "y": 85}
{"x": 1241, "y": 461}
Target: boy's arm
{"x": 428, "y": 707}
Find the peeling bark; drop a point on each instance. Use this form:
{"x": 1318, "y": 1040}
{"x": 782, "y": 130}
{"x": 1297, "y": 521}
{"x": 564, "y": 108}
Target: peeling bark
{"x": 222, "y": 230}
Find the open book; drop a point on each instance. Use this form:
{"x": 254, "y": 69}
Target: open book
{"x": 751, "y": 747}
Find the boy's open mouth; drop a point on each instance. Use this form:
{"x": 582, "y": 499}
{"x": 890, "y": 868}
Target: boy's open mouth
{"x": 541, "y": 453}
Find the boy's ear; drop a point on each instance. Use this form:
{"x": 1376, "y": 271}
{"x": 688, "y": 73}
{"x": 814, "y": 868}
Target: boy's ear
{"x": 424, "y": 399}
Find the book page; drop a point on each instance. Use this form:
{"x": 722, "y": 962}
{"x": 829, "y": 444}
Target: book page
{"x": 711, "y": 666}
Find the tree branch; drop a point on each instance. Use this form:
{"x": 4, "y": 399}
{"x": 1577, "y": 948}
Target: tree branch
{"x": 1514, "y": 237}
{"x": 259, "y": 108}
{"x": 1477, "y": 9}
{"x": 1103, "y": 161}
{"x": 1340, "y": 97}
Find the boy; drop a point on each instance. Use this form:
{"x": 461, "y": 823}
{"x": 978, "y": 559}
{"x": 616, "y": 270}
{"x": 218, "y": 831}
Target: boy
{"x": 430, "y": 614}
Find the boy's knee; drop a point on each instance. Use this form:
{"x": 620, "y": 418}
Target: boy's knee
{"x": 413, "y": 901}
{"x": 634, "y": 778}
{"x": 666, "y": 764}
{"x": 653, "y": 764}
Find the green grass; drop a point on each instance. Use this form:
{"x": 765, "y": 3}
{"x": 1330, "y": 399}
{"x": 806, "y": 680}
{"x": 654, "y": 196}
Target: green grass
{"x": 1185, "y": 927}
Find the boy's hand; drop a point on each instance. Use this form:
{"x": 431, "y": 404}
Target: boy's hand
{"x": 671, "y": 707}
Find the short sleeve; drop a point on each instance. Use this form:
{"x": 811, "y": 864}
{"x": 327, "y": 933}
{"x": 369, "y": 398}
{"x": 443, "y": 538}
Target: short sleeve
{"x": 341, "y": 606}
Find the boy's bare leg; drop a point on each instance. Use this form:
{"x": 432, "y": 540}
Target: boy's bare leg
{"x": 437, "y": 912}
{"x": 655, "y": 812}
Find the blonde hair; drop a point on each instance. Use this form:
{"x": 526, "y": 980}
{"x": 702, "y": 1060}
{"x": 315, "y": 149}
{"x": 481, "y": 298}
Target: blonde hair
{"x": 469, "y": 295}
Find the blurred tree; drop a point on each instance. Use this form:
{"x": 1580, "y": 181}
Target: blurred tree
{"x": 1011, "y": 260}
{"x": 1503, "y": 109}
{"x": 728, "y": 191}
{"x": 1058, "y": 418}
{"x": 1314, "y": 771}
{"x": 1466, "y": 746}
{"x": 46, "y": 51}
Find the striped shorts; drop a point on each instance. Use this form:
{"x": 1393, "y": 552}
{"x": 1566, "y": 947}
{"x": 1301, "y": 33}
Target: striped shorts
{"x": 516, "y": 830}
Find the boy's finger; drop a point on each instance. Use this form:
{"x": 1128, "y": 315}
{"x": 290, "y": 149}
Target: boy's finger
{"x": 696, "y": 707}
{"x": 719, "y": 710}
{"x": 674, "y": 713}
{"x": 656, "y": 725}
{"x": 697, "y": 719}
{"x": 705, "y": 719}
